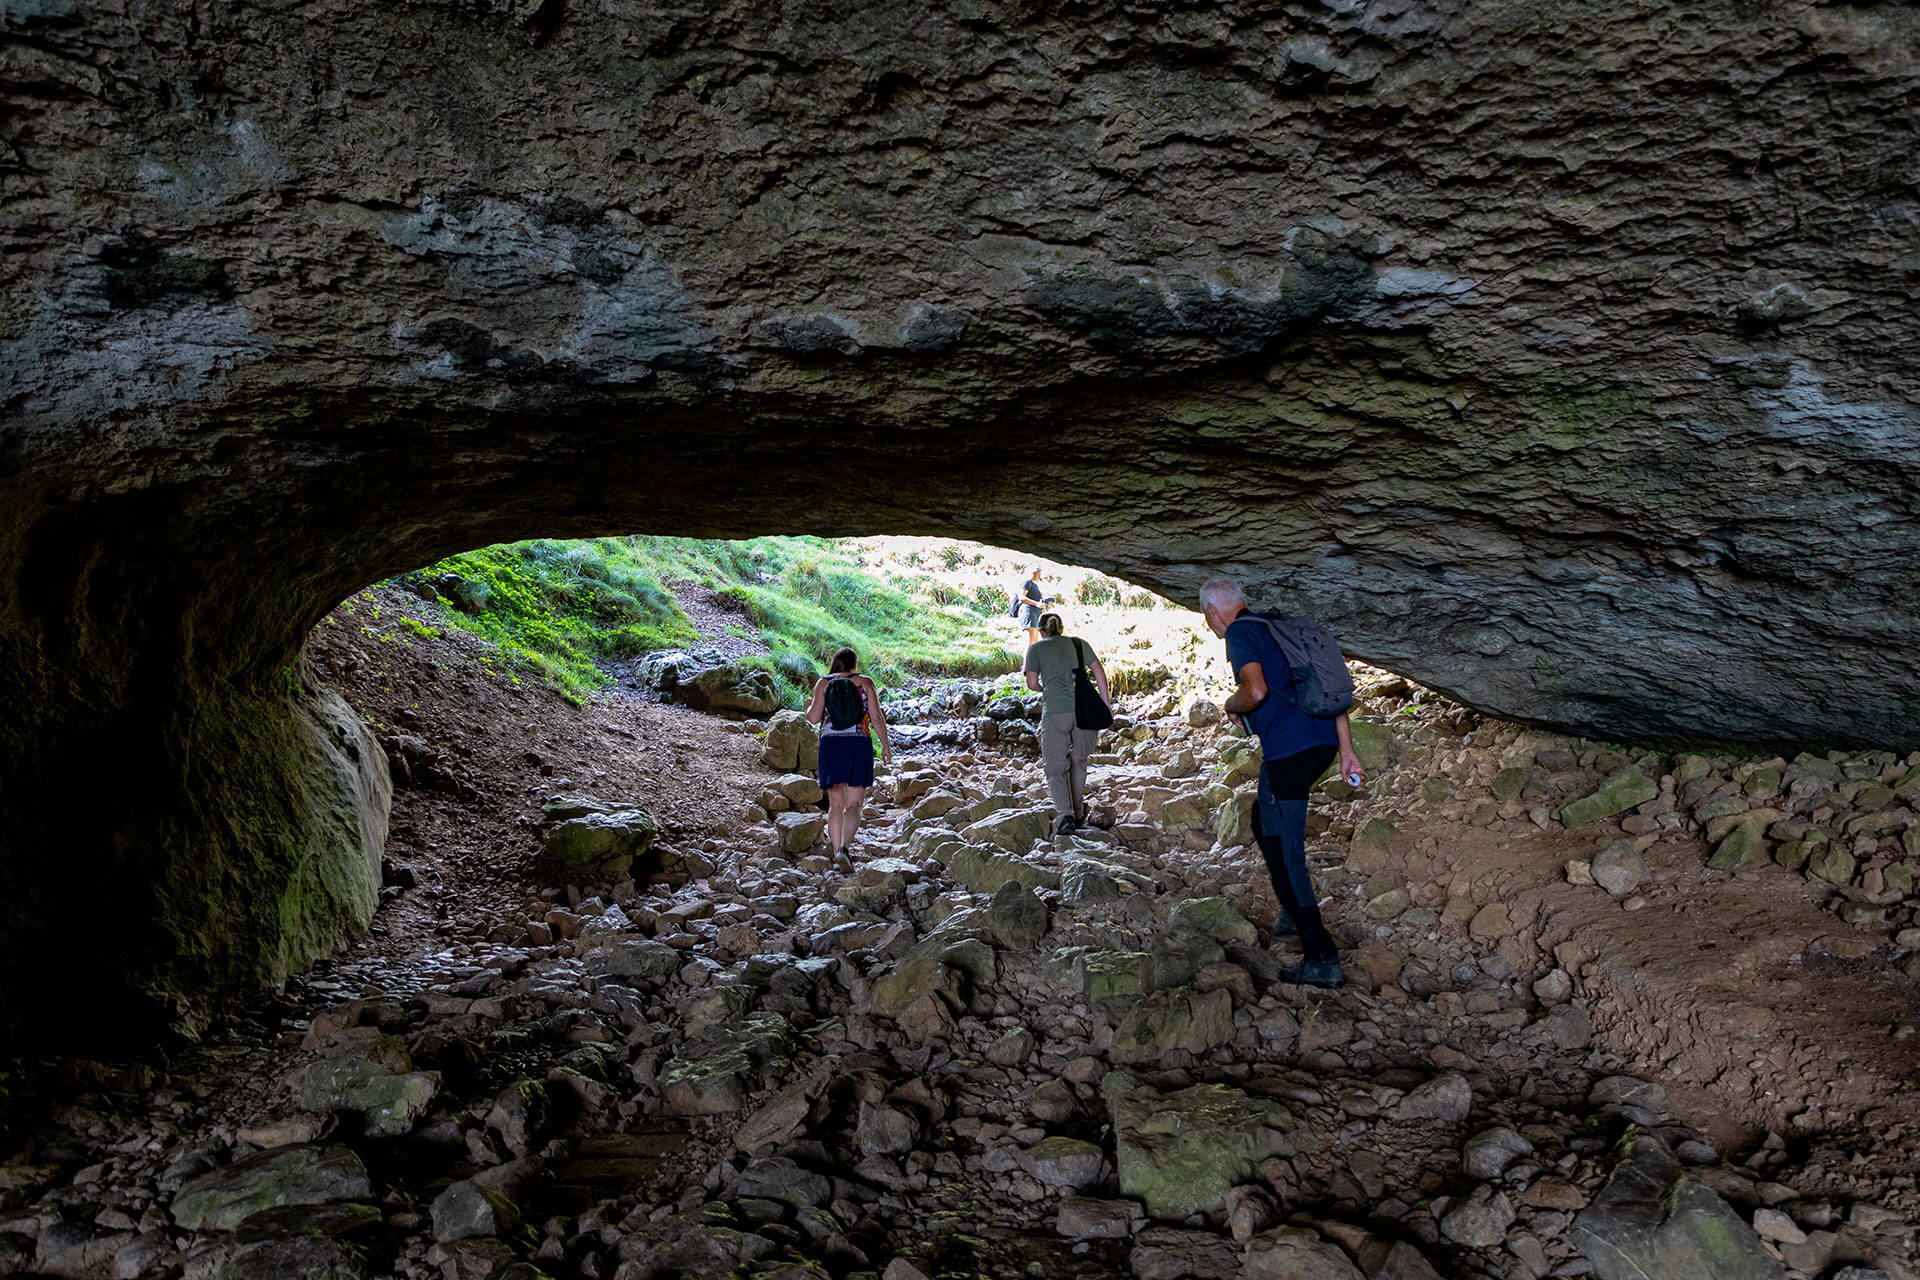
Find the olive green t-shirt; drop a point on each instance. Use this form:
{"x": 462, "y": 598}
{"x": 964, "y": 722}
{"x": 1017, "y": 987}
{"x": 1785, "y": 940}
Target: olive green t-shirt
{"x": 1053, "y": 660}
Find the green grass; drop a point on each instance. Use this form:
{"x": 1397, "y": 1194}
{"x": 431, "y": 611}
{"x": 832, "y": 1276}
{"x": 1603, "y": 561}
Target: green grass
{"x": 563, "y": 607}
{"x": 560, "y": 607}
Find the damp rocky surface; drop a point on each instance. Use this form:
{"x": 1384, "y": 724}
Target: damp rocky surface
{"x": 1606, "y": 1011}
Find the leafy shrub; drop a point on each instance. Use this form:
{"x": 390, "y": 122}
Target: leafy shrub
{"x": 1097, "y": 591}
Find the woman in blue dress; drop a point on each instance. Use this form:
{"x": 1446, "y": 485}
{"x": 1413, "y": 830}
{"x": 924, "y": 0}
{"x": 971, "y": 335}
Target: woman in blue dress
{"x": 846, "y": 706}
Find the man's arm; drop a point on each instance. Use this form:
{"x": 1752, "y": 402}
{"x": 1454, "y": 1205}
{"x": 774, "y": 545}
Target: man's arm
{"x": 1349, "y": 758}
{"x": 1251, "y": 692}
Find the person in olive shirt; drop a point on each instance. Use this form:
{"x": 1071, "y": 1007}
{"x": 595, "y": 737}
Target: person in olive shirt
{"x": 1064, "y": 746}
{"x": 1295, "y": 749}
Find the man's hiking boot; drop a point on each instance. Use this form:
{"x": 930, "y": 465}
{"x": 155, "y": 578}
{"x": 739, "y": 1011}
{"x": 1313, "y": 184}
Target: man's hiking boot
{"x": 1284, "y": 927}
{"x": 1313, "y": 973}
{"x": 1064, "y": 825}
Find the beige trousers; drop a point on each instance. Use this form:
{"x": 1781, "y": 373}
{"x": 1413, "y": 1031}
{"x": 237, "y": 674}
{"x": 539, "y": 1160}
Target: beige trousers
{"x": 1064, "y": 748}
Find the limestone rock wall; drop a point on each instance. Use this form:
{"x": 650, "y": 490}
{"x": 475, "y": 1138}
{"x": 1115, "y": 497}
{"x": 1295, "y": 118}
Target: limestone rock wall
{"x": 1558, "y": 356}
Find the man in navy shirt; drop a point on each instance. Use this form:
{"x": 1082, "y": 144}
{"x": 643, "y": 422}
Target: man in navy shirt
{"x": 1295, "y": 749}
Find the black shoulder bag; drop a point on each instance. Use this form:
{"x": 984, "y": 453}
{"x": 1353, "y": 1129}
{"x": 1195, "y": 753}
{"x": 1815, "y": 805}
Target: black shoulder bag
{"x": 1090, "y": 710}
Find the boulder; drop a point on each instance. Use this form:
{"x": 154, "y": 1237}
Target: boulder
{"x": 712, "y": 1074}
{"x": 466, "y": 1210}
{"x": 637, "y": 960}
{"x": 919, "y": 976}
{"x": 1642, "y": 1099}
{"x": 1653, "y": 1220}
{"x": 519, "y": 1115}
{"x": 1179, "y": 1151}
{"x": 887, "y": 1131}
{"x": 984, "y": 870}
{"x": 388, "y": 1101}
{"x": 799, "y": 788}
{"x": 1183, "y": 813}
{"x": 1479, "y": 1219}
{"x": 604, "y": 839}
{"x": 1064, "y": 1162}
{"x": 1832, "y": 863}
{"x": 1296, "y": 1253}
{"x": 1446, "y": 1098}
{"x": 799, "y": 832}
{"x": 1017, "y": 917}
{"x": 1619, "y": 869}
{"x": 1016, "y": 830}
{"x": 705, "y": 680}
{"x": 1084, "y": 1218}
{"x": 1173, "y": 1253}
{"x": 1169, "y": 1020}
{"x": 791, "y": 744}
{"x": 1233, "y": 821}
{"x": 1214, "y": 918}
{"x": 1488, "y": 1153}
{"x": 303, "y": 1175}
{"x": 1624, "y": 788}
{"x": 1374, "y": 840}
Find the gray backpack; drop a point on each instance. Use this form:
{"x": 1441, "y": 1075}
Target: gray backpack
{"x": 1322, "y": 685}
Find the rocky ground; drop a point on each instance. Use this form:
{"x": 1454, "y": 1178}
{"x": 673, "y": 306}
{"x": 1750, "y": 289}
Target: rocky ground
{"x": 1607, "y": 1011}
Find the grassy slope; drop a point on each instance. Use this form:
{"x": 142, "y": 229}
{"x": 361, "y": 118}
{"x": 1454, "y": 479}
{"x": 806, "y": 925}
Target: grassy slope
{"x": 563, "y": 606}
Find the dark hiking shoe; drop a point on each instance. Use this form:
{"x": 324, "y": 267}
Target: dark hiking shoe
{"x": 1284, "y": 927}
{"x": 1064, "y": 825}
{"x": 1313, "y": 973}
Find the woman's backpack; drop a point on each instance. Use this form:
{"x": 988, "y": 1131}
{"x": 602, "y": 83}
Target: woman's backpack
{"x": 846, "y": 705}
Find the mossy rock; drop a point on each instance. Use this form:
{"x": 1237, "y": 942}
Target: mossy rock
{"x": 388, "y": 1102}
{"x": 1015, "y": 830}
{"x": 1625, "y": 788}
{"x": 1169, "y": 1020}
{"x": 917, "y": 976}
{"x": 1181, "y": 1152}
{"x": 1833, "y": 864}
{"x": 1652, "y": 1220}
{"x": 1110, "y": 975}
{"x": 985, "y": 870}
{"x": 299, "y": 1175}
{"x": 603, "y": 842}
{"x": 1214, "y": 918}
{"x": 1744, "y": 846}
{"x": 1373, "y": 743}
{"x": 1688, "y": 767}
{"x": 1233, "y": 822}
{"x": 1509, "y": 783}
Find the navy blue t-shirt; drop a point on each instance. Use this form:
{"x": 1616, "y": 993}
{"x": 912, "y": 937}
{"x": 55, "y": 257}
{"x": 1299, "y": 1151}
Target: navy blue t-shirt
{"x": 1282, "y": 727}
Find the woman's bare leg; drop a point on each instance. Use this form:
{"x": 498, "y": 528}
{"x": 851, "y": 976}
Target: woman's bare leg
{"x": 836, "y": 814}
{"x": 853, "y": 808}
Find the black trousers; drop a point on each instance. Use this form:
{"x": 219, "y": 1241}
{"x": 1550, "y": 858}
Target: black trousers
{"x": 1280, "y": 826}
